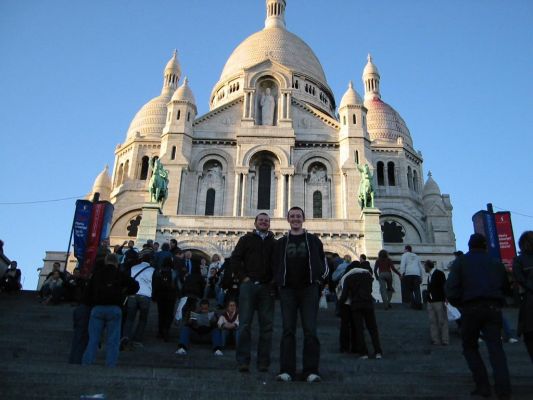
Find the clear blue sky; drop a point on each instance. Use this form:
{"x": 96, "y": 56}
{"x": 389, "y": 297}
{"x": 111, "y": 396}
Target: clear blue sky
{"x": 73, "y": 74}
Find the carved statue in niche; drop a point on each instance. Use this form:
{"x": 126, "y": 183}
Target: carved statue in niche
{"x": 212, "y": 172}
{"x": 268, "y": 106}
{"x": 317, "y": 174}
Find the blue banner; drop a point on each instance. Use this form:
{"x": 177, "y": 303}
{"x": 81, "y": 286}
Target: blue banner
{"x": 106, "y": 223}
{"x": 82, "y": 220}
{"x": 485, "y": 224}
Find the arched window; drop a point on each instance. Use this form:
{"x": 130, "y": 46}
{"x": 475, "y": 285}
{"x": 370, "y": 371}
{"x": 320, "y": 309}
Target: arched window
{"x": 188, "y": 116}
{"x": 354, "y": 119}
{"x": 415, "y": 180}
{"x": 356, "y": 157}
{"x": 210, "y": 202}
{"x": 126, "y": 170}
{"x": 263, "y": 186}
{"x": 173, "y": 155}
{"x": 344, "y": 119}
{"x": 381, "y": 174}
{"x": 390, "y": 173}
{"x": 317, "y": 204}
{"x": 409, "y": 178}
{"x": 144, "y": 168}
{"x": 120, "y": 174}
{"x": 179, "y": 115}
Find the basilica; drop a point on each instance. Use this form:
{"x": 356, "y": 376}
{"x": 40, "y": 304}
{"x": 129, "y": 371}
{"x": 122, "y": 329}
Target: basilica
{"x": 275, "y": 137}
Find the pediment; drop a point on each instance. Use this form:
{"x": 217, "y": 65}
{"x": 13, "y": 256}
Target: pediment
{"x": 309, "y": 121}
{"x": 437, "y": 210}
{"x": 222, "y": 119}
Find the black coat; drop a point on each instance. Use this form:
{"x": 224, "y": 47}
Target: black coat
{"x": 357, "y": 287}
{"x": 436, "y": 288}
{"x": 523, "y": 273}
{"x": 252, "y": 257}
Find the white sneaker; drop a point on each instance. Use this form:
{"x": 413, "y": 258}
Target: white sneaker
{"x": 513, "y": 340}
{"x": 218, "y": 353}
{"x": 378, "y": 356}
{"x": 363, "y": 358}
{"x": 313, "y": 378}
{"x": 284, "y": 377}
{"x": 181, "y": 351}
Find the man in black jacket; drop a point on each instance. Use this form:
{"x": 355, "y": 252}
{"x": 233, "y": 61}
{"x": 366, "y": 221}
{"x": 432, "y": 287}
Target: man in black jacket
{"x": 436, "y": 297}
{"x": 476, "y": 285}
{"x": 251, "y": 264}
{"x": 106, "y": 292}
{"x": 300, "y": 267}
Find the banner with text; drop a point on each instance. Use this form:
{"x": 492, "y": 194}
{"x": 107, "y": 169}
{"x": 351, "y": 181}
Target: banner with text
{"x": 504, "y": 227}
{"x": 484, "y": 224}
{"x": 101, "y": 218}
{"x": 82, "y": 220}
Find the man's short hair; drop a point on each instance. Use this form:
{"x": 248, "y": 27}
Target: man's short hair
{"x": 409, "y": 248}
{"x": 477, "y": 241}
{"x": 262, "y": 213}
{"x": 165, "y": 247}
{"x": 204, "y": 302}
{"x": 429, "y": 263}
{"x": 296, "y": 208}
{"x": 525, "y": 243}
{"x": 363, "y": 256}
{"x": 174, "y": 241}
{"x": 111, "y": 259}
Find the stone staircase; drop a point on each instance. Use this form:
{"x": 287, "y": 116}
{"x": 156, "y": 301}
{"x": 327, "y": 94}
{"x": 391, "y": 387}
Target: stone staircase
{"x": 35, "y": 343}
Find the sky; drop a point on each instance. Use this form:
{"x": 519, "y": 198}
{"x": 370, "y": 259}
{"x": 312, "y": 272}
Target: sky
{"x": 73, "y": 74}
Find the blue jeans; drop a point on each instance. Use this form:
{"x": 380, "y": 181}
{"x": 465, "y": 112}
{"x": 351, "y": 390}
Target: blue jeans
{"x": 80, "y": 338}
{"x": 141, "y": 304}
{"x": 254, "y": 297}
{"x": 486, "y": 318}
{"x": 305, "y": 301}
{"x": 412, "y": 285}
{"x": 225, "y": 334}
{"x": 187, "y": 334}
{"x": 108, "y": 317}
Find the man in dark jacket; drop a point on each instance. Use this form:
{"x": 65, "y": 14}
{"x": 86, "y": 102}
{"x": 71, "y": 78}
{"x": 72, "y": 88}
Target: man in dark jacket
{"x": 300, "y": 267}
{"x": 105, "y": 293}
{"x": 436, "y": 297}
{"x": 476, "y": 285}
{"x": 251, "y": 264}
{"x": 357, "y": 287}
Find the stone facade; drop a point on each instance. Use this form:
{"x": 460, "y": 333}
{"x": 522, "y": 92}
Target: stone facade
{"x": 273, "y": 138}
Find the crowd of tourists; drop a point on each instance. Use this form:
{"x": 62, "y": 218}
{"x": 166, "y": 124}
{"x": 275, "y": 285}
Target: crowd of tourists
{"x": 214, "y": 302}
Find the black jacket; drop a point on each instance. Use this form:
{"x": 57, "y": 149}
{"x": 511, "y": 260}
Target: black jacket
{"x": 358, "y": 288}
{"x": 436, "y": 285}
{"x": 318, "y": 265}
{"x": 252, "y": 257}
{"x": 109, "y": 287}
{"x": 476, "y": 277}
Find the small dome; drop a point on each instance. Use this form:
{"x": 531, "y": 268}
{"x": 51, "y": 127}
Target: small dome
{"x": 184, "y": 93}
{"x": 351, "y": 97}
{"x": 384, "y": 123}
{"x": 431, "y": 188}
{"x": 102, "y": 184}
{"x": 370, "y": 68}
{"x": 151, "y": 118}
{"x": 173, "y": 65}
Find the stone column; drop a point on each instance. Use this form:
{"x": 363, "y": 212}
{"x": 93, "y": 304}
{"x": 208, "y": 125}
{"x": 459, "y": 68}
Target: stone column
{"x": 373, "y": 238}
{"x": 236, "y": 194}
{"x": 280, "y": 196}
{"x": 148, "y": 227}
{"x": 243, "y": 193}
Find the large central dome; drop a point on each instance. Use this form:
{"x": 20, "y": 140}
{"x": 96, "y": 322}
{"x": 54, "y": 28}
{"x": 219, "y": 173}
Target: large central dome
{"x": 276, "y": 44}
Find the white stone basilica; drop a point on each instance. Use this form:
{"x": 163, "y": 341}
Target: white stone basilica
{"x": 274, "y": 138}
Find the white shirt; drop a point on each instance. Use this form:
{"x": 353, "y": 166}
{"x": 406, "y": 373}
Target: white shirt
{"x": 410, "y": 265}
{"x": 144, "y": 278}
